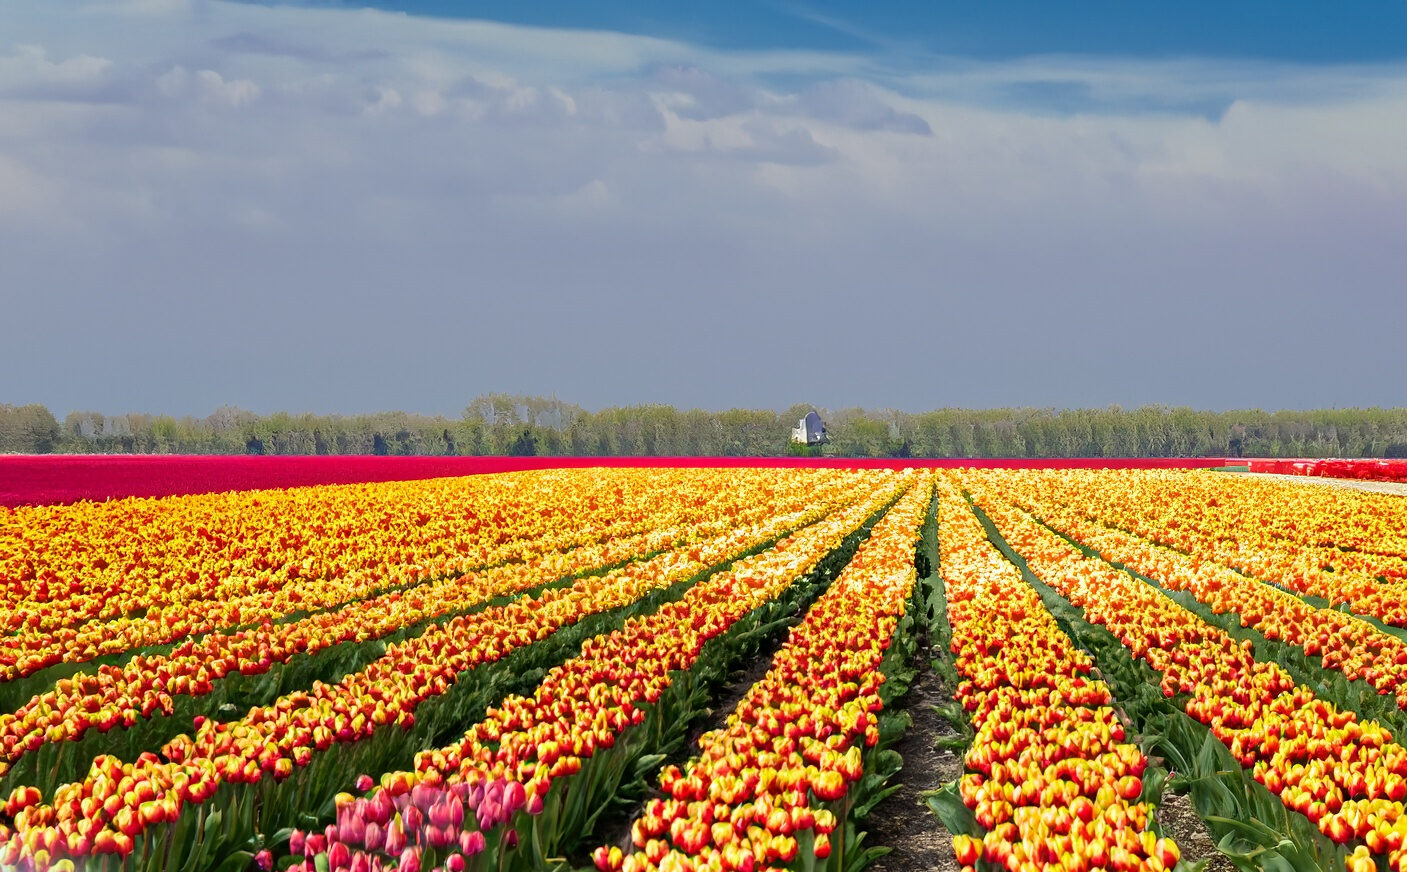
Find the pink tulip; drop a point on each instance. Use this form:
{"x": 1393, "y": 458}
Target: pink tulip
{"x": 414, "y": 820}
{"x": 395, "y": 837}
{"x": 471, "y": 842}
{"x": 352, "y": 830}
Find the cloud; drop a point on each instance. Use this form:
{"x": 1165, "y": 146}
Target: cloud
{"x": 859, "y": 105}
{"x": 348, "y": 209}
{"x": 207, "y": 86}
{"x": 274, "y": 46}
{"x": 29, "y": 73}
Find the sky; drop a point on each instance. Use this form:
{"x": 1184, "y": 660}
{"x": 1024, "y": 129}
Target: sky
{"x": 329, "y": 207}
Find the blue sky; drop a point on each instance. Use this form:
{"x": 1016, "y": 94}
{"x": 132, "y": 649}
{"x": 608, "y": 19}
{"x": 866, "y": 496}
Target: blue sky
{"x": 1287, "y": 30}
{"x": 336, "y": 209}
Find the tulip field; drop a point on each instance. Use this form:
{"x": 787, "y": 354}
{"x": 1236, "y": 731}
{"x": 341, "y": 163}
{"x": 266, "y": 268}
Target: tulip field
{"x": 690, "y": 669}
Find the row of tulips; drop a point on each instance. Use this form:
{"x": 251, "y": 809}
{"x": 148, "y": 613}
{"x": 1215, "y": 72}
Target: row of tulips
{"x": 528, "y": 754}
{"x": 1348, "y": 777}
{"x": 104, "y": 578}
{"x": 1336, "y": 529}
{"x": 772, "y": 788}
{"x": 1346, "y": 528}
{"x": 1344, "y": 642}
{"x": 70, "y": 563}
{"x": 105, "y": 811}
{"x": 1205, "y": 516}
{"x": 29, "y": 652}
{"x": 1052, "y": 783}
{"x": 113, "y": 696}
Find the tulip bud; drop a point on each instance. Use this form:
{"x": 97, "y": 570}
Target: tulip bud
{"x": 514, "y": 796}
{"x": 423, "y": 796}
{"x": 607, "y": 859}
{"x": 440, "y": 813}
{"x": 410, "y": 861}
{"x": 352, "y": 830}
{"x": 471, "y": 842}
{"x": 439, "y": 837}
{"x": 395, "y": 837}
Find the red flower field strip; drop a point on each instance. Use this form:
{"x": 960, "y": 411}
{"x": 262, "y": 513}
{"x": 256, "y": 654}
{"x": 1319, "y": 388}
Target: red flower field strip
{"x": 1346, "y": 776}
{"x": 1366, "y": 469}
{"x": 1051, "y": 775}
{"x": 271, "y": 740}
{"x": 794, "y": 743}
{"x": 1346, "y": 643}
{"x": 66, "y": 478}
{"x": 510, "y": 760}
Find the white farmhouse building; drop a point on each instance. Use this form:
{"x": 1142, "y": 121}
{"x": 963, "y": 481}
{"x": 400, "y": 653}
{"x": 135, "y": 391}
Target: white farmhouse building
{"x": 810, "y": 430}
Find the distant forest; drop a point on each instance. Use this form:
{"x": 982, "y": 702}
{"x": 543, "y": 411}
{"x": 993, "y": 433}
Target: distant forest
{"x": 501, "y": 424}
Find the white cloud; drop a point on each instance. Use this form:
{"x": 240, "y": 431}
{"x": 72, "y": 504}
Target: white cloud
{"x": 206, "y": 86}
{"x": 29, "y": 72}
{"x": 969, "y": 215}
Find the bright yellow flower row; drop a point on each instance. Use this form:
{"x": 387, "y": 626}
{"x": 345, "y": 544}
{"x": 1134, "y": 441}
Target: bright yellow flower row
{"x": 527, "y": 743}
{"x": 272, "y": 740}
{"x": 116, "y": 696}
{"x": 1345, "y": 775}
{"x": 329, "y": 546}
{"x": 249, "y": 555}
{"x": 1052, "y": 779}
{"x": 1347, "y": 643}
{"x": 775, "y": 774}
{"x": 1290, "y": 534}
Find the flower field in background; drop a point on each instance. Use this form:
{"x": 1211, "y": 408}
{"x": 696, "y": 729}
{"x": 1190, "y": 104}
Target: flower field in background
{"x": 49, "y": 479}
{"x": 687, "y": 668}
{"x": 1358, "y": 468}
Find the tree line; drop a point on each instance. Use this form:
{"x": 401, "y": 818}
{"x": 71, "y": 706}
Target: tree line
{"x": 503, "y": 424}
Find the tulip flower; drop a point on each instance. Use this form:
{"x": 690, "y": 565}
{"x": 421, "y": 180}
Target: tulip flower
{"x": 387, "y": 690}
{"x": 741, "y": 802}
{"x": 1254, "y": 708}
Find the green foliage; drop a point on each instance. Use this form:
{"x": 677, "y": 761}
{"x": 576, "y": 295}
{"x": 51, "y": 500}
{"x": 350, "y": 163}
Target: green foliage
{"x": 495, "y": 424}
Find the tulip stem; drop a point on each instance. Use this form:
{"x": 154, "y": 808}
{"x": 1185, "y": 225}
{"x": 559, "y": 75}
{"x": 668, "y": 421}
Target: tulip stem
{"x": 170, "y": 841}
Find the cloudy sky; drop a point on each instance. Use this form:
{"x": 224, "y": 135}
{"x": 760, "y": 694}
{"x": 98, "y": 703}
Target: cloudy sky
{"x": 332, "y": 208}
